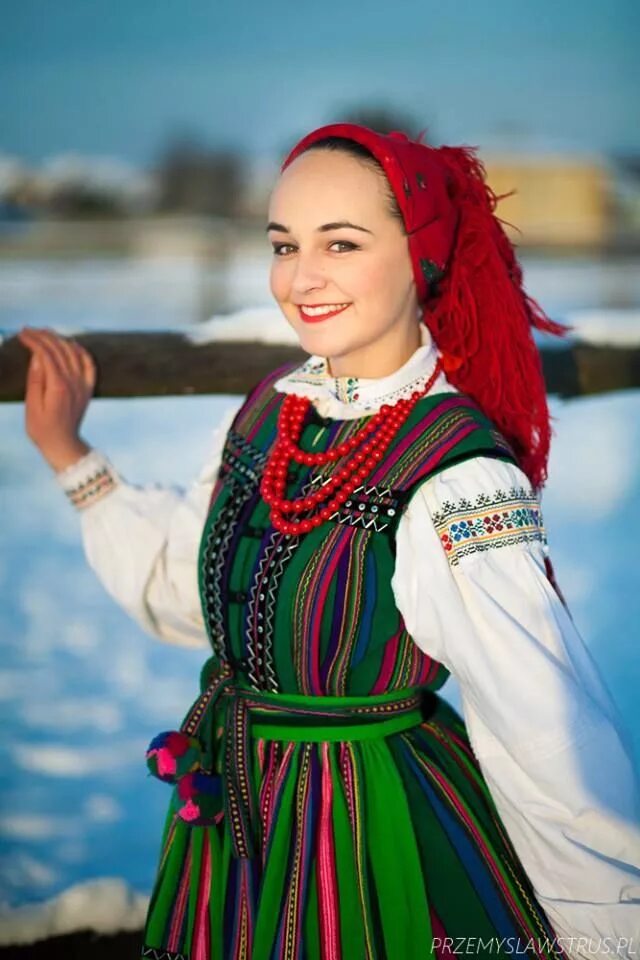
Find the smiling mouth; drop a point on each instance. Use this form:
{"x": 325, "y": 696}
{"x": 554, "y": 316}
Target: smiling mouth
{"x": 321, "y": 312}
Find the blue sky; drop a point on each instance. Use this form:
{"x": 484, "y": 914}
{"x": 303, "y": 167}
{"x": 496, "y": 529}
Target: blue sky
{"x": 99, "y": 77}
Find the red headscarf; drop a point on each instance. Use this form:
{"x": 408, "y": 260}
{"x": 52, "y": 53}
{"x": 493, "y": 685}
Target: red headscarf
{"x": 469, "y": 283}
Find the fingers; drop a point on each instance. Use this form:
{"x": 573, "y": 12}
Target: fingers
{"x": 88, "y": 367}
{"x": 31, "y": 340}
{"x": 76, "y": 356}
{"x": 62, "y": 356}
{"x": 79, "y": 360}
{"x": 36, "y": 370}
{"x": 41, "y": 350}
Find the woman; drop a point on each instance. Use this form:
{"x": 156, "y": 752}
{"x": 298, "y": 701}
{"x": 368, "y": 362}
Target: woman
{"x": 367, "y": 523}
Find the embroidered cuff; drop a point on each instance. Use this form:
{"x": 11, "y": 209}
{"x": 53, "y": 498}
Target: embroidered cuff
{"x": 505, "y": 517}
{"x": 88, "y": 480}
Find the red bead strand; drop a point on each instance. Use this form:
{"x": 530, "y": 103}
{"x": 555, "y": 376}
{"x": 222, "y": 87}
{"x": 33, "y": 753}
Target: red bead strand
{"x": 294, "y": 408}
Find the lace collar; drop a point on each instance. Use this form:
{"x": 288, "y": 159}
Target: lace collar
{"x": 351, "y": 397}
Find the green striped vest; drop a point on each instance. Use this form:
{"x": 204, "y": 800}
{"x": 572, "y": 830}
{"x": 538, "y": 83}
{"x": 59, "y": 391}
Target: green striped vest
{"x": 315, "y": 613}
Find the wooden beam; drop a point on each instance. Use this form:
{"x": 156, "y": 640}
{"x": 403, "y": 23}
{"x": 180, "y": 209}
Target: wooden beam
{"x": 154, "y": 364}
{"x": 136, "y": 364}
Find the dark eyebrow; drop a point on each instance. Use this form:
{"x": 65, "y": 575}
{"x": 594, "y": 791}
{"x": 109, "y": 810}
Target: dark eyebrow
{"x": 323, "y": 229}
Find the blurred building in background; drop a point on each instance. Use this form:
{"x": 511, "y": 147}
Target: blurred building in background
{"x": 557, "y": 201}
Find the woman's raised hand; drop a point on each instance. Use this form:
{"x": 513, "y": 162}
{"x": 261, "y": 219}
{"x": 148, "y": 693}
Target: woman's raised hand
{"x": 60, "y": 381}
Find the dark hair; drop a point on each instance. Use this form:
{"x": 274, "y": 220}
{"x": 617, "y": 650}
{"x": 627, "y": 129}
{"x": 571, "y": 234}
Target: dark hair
{"x": 361, "y": 153}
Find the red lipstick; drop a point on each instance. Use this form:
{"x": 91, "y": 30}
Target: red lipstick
{"x": 320, "y": 316}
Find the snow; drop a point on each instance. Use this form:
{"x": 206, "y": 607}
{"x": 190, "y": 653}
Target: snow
{"x": 619, "y": 328}
{"x": 261, "y": 324}
{"x": 106, "y": 905}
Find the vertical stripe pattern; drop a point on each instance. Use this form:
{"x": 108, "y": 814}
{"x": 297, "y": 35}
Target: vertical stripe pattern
{"x": 374, "y": 834}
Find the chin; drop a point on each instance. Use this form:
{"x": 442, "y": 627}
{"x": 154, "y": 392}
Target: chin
{"x": 310, "y": 334}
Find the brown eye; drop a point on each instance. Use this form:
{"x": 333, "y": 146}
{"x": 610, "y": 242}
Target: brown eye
{"x": 345, "y": 243}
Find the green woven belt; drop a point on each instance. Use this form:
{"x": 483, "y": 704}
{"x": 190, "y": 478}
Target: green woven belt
{"x": 247, "y": 713}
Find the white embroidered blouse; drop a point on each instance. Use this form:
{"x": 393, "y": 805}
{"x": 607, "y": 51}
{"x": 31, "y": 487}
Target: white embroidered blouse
{"x": 541, "y": 721}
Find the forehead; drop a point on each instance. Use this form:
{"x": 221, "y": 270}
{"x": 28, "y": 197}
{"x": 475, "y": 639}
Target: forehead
{"x": 328, "y": 182}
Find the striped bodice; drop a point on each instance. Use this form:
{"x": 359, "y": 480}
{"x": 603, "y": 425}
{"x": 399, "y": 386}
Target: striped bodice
{"x": 315, "y": 614}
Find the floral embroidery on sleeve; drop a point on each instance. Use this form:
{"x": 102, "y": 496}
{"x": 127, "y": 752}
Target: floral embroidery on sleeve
{"x": 489, "y": 520}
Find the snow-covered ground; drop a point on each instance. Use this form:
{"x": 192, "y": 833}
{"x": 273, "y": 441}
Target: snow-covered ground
{"x": 83, "y": 690}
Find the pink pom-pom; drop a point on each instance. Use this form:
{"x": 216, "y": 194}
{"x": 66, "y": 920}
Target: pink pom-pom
{"x": 200, "y": 795}
{"x": 189, "y": 811}
{"x": 165, "y": 760}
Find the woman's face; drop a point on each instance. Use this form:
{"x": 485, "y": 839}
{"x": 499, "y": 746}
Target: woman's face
{"x": 319, "y": 264}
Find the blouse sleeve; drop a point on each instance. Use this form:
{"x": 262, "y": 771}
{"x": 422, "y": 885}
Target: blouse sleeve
{"x": 142, "y": 541}
{"x": 475, "y": 593}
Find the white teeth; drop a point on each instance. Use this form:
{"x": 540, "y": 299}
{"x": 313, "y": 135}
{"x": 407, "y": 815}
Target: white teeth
{"x": 325, "y": 308}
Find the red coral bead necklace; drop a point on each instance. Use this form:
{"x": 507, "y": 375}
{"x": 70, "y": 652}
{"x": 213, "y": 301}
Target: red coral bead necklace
{"x": 367, "y": 451}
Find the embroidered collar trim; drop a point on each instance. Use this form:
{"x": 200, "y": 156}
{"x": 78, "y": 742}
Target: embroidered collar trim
{"x": 364, "y": 394}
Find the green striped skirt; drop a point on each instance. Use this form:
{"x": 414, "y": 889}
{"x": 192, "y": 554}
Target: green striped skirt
{"x": 349, "y": 828}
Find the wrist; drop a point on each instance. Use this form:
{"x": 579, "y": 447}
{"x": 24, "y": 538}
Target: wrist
{"x": 64, "y": 457}
{"x": 88, "y": 479}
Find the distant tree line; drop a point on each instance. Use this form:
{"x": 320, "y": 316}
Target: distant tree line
{"x": 189, "y": 177}
{"x": 196, "y": 179}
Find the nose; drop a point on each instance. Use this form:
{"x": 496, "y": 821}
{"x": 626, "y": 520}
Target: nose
{"x": 308, "y": 275}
